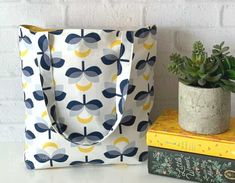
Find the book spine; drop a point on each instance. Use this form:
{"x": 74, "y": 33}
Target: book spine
{"x": 213, "y": 147}
{"x": 189, "y": 166}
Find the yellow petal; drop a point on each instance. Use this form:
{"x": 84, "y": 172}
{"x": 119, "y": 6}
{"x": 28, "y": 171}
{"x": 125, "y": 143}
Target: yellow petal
{"x": 115, "y": 43}
{"x": 82, "y": 54}
{"x": 24, "y": 85}
{"x": 148, "y": 46}
{"x": 146, "y": 106}
{"x": 53, "y": 82}
{"x": 52, "y": 48}
{"x": 84, "y": 87}
{"x": 121, "y": 139}
{"x": 50, "y": 144}
{"x": 114, "y": 110}
{"x": 146, "y": 77}
{"x": 44, "y": 114}
{"x": 85, "y": 120}
{"x": 114, "y": 77}
{"x": 86, "y": 149}
{"x": 23, "y": 53}
{"x": 25, "y": 116}
{"x": 26, "y": 146}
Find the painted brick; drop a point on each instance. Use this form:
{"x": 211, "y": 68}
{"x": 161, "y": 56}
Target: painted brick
{"x": 9, "y": 38}
{"x": 44, "y": 1}
{"x": 11, "y": 89}
{"x": 228, "y": 15}
{"x": 201, "y": 14}
{"x": 11, "y": 112}
{"x": 185, "y": 38}
{"x": 10, "y": 64}
{"x": 11, "y": 133}
{"x": 37, "y": 14}
{"x": 6, "y": 1}
{"x": 165, "y": 39}
{"x": 163, "y": 59}
{"x": 164, "y": 15}
{"x": 104, "y": 15}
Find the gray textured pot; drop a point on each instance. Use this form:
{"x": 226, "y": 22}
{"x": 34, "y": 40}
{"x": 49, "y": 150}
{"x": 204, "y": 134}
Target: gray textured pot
{"x": 204, "y": 111}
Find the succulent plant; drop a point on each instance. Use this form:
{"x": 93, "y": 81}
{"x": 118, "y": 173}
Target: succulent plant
{"x": 200, "y": 70}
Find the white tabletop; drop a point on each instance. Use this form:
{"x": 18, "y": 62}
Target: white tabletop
{"x": 12, "y": 170}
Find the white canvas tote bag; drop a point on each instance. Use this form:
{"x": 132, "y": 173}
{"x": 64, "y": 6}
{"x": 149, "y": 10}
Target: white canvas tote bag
{"x": 87, "y": 94}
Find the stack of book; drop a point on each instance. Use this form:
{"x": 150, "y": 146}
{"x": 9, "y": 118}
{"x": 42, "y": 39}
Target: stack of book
{"x": 176, "y": 153}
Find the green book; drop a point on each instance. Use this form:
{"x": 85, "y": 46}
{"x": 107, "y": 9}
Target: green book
{"x": 190, "y": 166}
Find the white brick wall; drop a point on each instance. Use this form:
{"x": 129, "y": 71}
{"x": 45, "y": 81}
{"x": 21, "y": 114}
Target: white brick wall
{"x": 180, "y": 23}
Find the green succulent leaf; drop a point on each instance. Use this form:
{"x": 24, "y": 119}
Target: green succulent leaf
{"x": 227, "y": 64}
{"x": 232, "y": 61}
{"x": 201, "y": 82}
{"x": 202, "y": 68}
{"x": 230, "y": 74}
{"x": 228, "y": 85}
{"x": 214, "y": 78}
{"x": 213, "y": 67}
{"x": 205, "y": 71}
{"x": 228, "y": 82}
{"x": 187, "y": 82}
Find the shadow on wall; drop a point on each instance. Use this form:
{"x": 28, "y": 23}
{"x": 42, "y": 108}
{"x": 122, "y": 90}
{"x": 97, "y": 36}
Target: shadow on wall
{"x": 166, "y": 84}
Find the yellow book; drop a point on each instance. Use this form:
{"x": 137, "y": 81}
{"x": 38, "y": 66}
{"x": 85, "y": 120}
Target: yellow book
{"x": 166, "y": 133}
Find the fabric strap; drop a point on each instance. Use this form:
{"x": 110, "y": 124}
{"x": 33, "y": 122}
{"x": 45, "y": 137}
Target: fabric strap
{"x": 48, "y": 87}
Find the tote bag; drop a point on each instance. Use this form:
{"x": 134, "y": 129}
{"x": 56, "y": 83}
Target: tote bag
{"x": 87, "y": 94}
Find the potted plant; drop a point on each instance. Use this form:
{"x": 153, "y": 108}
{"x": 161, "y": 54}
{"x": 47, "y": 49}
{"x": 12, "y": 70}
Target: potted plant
{"x": 205, "y": 86}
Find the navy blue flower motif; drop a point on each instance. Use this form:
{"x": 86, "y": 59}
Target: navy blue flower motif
{"x": 116, "y": 32}
{"x": 40, "y": 95}
{"x": 42, "y": 126}
{"x": 91, "y": 137}
{"x": 142, "y": 95}
{"x": 130, "y": 36}
{"x": 108, "y": 30}
{"x": 129, "y": 151}
{"x": 57, "y": 156}
{"x": 145, "y": 32}
{"x": 57, "y": 62}
{"x": 88, "y": 39}
{"x": 29, "y": 135}
{"x": 59, "y": 95}
{"x": 125, "y": 87}
{"x": 27, "y": 71}
{"x": 91, "y": 106}
{"x": 24, "y": 38}
{"x": 142, "y": 126}
{"x": 29, "y": 164}
{"x": 28, "y": 102}
{"x": 36, "y": 62}
{"x": 127, "y": 120}
{"x": 143, "y": 156}
{"x": 90, "y": 73}
{"x": 141, "y": 65}
{"x": 45, "y": 60}
{"x": 93, "y": 162}
{"x": 110, "y": 121}
{"x": 56, "y": 32}
{"x": 111, "y": 57}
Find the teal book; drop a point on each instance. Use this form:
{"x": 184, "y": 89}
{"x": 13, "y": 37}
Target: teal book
{"x": 190, "y": 166}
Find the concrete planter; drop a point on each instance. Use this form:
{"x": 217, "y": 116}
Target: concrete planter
{"x": 204, "y": 111}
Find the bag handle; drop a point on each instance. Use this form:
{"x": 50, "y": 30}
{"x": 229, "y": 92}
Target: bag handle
{"x": 47, "y": 86}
